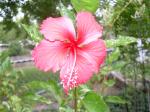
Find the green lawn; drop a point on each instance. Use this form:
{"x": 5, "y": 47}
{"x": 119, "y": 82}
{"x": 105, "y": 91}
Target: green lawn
{"x": 32, "y": 74}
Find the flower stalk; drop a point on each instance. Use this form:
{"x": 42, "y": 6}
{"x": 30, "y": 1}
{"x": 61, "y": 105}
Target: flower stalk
{"x": 75, "y": 100}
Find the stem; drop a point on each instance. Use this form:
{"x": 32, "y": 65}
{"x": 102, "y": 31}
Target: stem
{"x": 75, "y": 99}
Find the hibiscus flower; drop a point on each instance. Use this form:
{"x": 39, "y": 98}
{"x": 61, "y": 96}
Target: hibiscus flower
{"x": 78, "y": 53}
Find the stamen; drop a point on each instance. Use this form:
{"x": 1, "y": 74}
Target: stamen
{"x": 70, "y": 78}
{"x": 72, "y": 70}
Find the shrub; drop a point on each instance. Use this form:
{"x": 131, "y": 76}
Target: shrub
{"x": 15, "y": 48}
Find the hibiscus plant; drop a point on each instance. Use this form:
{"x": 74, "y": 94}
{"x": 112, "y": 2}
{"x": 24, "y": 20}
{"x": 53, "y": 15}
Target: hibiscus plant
{"x": 73, "y": 46}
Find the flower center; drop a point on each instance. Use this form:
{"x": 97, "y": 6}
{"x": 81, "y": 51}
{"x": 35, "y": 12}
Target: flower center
{"x": 74, "y": 44}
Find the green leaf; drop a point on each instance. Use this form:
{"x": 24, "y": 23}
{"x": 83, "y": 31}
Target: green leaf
{"x": 3, "y": 55}
{"x": 6, "y": 105}
{"x": 54, "y": 87}
{"x": 65, "y": 109}
{"x": 36, "y": 98}
{"x": 85, "y": 5}
{"x": 113, "y": 56}
{"x": 68, "y": 109}
{"x": 33, "y": 32}
{"x": 15, "y": 99}
{"x": 120, "y": 41}
{"x": 110, "y": 82}
{"x": 115, "y": 99}
{"x": 84, "y": 88}
{"x": 38, "y": 85}
{"x": 105, "y": 70}
{"x": 48, "y": 86}
{"x": 118, "y": 65}
{"x": 66, "y": 12}
{"x": 16, "y": 103}
{"x": 2, "y": 108}
{"x": 5, "y": 66}
{"x": 94, "y": 103}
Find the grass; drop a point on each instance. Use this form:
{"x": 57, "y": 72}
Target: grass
{"x": 32, "y": 73}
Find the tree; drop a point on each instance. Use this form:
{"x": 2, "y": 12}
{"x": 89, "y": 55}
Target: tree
{"x": 131, "y": 17}
{"x": 32, "y": 9}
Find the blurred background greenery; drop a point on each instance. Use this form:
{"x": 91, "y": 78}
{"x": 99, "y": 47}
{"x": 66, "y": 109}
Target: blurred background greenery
{"x": 124, "y": 80}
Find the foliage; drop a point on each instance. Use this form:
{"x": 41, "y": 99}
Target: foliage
{"x": 120, "y": 41}
{"x": 33, "y": 32}
{"x": 44, "y": 8}
{"x": 11, "y": 34}
{"x": 15, "y": 49}
{"x": 88, "y": 5}
{"x": 115, "y": 99}
{"x": 64, "y": 11}
{"x": 94, "y": 103}
{"x": 10, "y": 9}
{"x": 14, "y": 97}
{"x": 127, "y": 17}
{"x": 133, "y": 18}
{"x": 10, "y": 101}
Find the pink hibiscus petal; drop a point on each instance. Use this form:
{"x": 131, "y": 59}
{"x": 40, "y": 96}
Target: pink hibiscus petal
{"x": 58, "y": 29}
{"x": 87, "y": 28}
{"x": 77, "y": 58}
{"x": 76, "y": 71}
{"x": 95, "y": 53}
{"x": 49, "y": 55}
